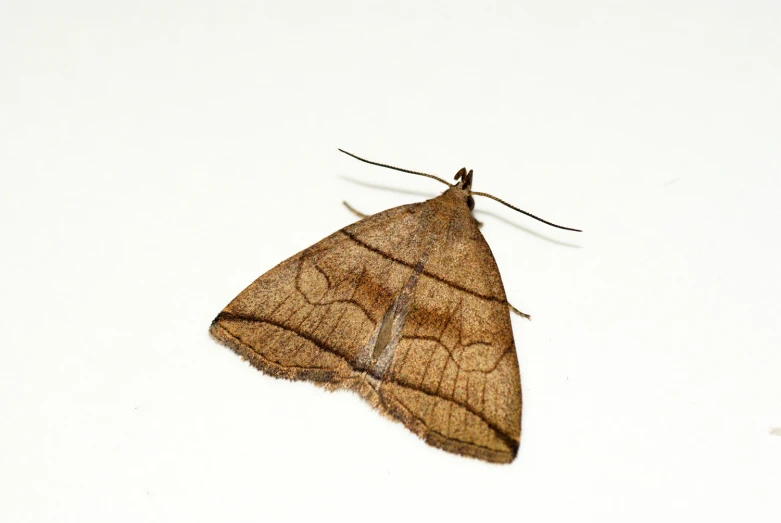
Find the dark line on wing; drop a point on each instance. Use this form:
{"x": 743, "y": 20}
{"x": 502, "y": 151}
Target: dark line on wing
{"x": 302, "y": 292}
{"x": 243, "y": 317}
{"x": 511, "y": 444}
{"x": 318, "y": 343}
{"x": 434, "y": 339}
{"x": 426, "y": 273}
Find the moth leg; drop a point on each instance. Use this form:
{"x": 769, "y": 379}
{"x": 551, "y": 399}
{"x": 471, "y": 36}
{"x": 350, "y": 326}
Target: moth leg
{"x": 519, "y": 313}
{"x": 357, "y": 213}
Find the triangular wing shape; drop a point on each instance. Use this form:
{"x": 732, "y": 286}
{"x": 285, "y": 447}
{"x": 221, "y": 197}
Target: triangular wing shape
{"x": 407, "y": 308}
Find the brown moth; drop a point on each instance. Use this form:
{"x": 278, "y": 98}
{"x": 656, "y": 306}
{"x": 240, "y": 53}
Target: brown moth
{"x": 405, "y": 307}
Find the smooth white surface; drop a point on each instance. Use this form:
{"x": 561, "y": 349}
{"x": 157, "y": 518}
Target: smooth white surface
{"x": 156, "y": 157}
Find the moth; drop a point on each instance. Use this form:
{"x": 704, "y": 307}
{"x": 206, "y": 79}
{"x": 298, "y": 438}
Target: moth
{"x": 406, "y": 308}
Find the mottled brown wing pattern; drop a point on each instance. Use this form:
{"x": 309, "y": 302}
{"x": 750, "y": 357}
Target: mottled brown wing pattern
{"x": 453, "y": 378}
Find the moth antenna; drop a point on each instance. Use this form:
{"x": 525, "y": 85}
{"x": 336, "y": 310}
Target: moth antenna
{"x": 396, "y": 168}
{"x": 352, "y": 209}
{"x": 530, "y": 215}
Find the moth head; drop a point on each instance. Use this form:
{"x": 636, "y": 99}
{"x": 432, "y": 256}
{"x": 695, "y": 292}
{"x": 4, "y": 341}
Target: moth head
{"x": 465, "y": 184}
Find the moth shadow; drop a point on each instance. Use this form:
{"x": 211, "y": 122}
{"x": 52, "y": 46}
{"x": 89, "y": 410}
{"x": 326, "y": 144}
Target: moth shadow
{"x": 527, "y": 230}
{"x": 397, "y": 190}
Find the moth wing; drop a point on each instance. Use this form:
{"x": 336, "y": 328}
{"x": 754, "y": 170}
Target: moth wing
{"x": 453, "y": 378}
{"x": 308, "y": 317}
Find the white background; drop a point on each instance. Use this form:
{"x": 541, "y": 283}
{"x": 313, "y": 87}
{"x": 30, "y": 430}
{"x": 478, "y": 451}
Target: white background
{"x": 156, "y": 157}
